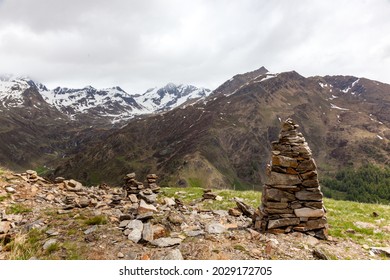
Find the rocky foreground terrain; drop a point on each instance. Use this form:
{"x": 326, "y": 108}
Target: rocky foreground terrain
{"x": 66, "y": 220}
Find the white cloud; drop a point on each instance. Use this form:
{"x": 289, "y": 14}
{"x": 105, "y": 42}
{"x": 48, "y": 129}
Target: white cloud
{"x": 139, "y": 44}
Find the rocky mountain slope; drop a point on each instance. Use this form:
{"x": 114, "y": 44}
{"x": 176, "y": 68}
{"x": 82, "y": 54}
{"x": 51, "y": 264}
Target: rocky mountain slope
{"x": 40, "y": 219}
{"x": 40, "y": 126}
{"x": 224, "y": 140}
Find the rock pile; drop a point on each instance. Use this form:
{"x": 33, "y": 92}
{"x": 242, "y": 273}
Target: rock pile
{"x": 292, "y": 199}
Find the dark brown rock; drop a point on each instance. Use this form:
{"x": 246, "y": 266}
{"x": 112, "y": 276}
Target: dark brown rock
{"x": 282, "y": 179}
{"x": 307, "y": 195}
{"x": 306, "y": 166}
{"x": 277, "y": 195}
{"x": 282, "y": 222}
{"x": 284, "y": 161}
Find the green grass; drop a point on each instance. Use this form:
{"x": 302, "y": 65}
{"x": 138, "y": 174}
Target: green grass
{"x": 195, "y": 182}
{"x": 52, "y": 248}
{"x": 97, "y": 220}
{"x": 42, "y": 170}
{"x": 4, "y": 197}
{"x": 25, "y": 246}
{"x": 18, "y": 209}
{"x": 341, "y": 214}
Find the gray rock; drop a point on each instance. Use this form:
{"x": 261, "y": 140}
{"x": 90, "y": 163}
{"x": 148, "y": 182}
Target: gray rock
{"x": 381, "y": 250}
{"x": 147, "y": 232}
{"x": 309, "y": 212}
{"x": 135, "y": 224}
{"x": 166, "y": 242}
{"x": 145, "y": 216}
{"x": 222, "y": 213}
{"x": 169, "y": 201}
{"x": 194, "y": 233}
{"x": 149, "y": 198}
{"x": 215, "y": 228}
{"x": 135, "y": 235}
{"x": 133, "y": 198}
{"x": 48, "y": 243}
{"x": 10, "y": 189}
{"x": 52, "y": 232}
{"x": 145, "y": 207}
{"x": 174, "y": 254}
{"x": 134, "y": 229}
{"x": 91, "y": 229}
{"x": 124, "y": 223}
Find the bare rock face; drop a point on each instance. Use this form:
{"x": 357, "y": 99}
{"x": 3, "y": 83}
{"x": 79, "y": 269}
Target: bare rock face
{"x": 292, "y": 197}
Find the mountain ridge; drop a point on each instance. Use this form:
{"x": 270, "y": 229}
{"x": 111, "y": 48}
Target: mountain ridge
{"x": 226, "y": 137}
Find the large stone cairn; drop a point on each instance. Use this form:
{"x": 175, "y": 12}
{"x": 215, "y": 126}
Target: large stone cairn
{"x": 292, "y": 199}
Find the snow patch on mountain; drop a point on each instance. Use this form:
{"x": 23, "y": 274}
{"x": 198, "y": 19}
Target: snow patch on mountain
{"x": 11, "y": 88}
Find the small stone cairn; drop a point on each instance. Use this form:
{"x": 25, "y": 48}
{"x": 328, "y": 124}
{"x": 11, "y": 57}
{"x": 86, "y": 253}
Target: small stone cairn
{"x": 132, "y": 186}
{"x": 292, "y": 199}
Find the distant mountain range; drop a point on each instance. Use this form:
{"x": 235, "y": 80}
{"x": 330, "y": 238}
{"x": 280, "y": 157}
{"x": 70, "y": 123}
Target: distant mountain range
{"x": 191, "y": 136}
{"x": 39, "y": 127}
{"x": 111, "y": 104}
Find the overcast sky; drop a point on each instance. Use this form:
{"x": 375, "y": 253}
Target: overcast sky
{"x": 141, "y": 44}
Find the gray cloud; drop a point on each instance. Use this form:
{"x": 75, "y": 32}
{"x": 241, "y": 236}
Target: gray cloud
{"x": 139, "y": 44}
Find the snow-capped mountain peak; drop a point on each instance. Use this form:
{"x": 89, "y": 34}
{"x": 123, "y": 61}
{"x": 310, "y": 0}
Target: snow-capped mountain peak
{"x": 170, "y": 96}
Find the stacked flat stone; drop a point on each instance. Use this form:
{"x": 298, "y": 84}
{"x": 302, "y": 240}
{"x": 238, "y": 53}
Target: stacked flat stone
{"x": 292, "y": 199}
{"x": 132, "y": 186}
{"x": 152, "y": 179}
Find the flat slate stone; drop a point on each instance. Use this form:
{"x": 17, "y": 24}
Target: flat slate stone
{"x": 215, "y": 228}
{"x": 309, "y": 212}
{"x": 283, "y": 222}
{"x": 275, "y": 178}
{"x": 166, "y": 242}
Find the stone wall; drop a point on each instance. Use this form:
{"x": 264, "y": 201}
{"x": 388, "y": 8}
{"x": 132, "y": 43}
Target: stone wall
{"x": 292, "y": 198}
